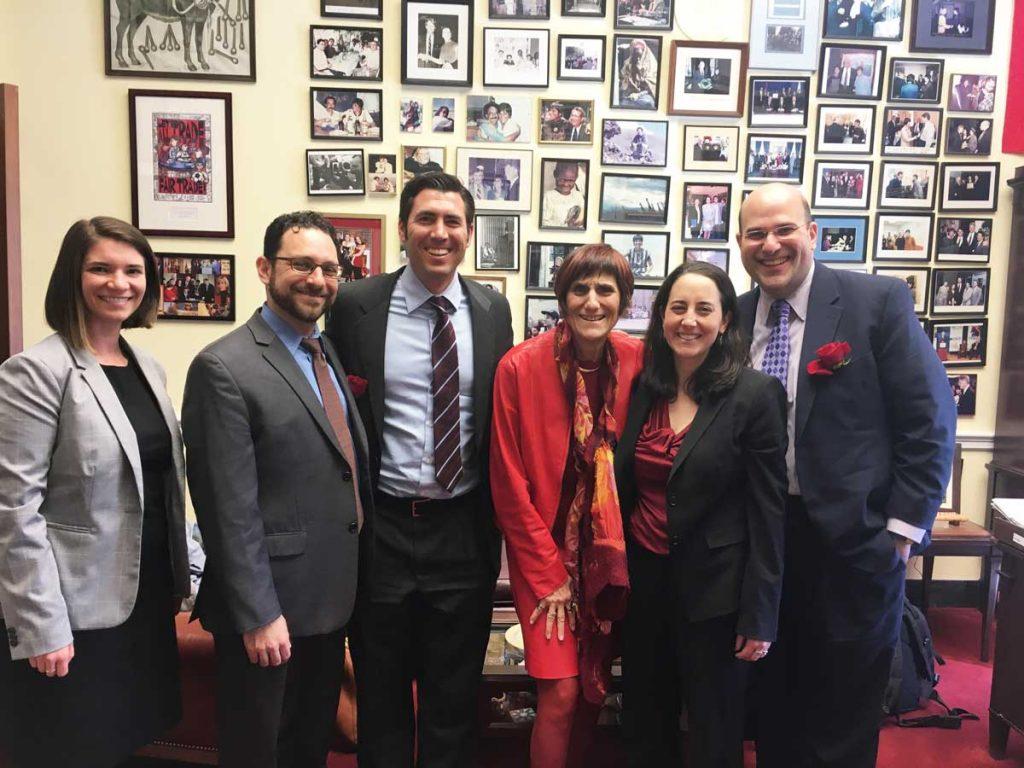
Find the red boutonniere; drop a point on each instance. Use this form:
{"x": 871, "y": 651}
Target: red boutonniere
{"x": 831, "y": 357}
{"x": 357, "y": 384}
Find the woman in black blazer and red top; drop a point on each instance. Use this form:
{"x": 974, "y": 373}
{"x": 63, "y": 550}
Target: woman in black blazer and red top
{"x": 701, "y": 473}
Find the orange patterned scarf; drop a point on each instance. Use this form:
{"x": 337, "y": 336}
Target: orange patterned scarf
{"x": 595, "y": 551}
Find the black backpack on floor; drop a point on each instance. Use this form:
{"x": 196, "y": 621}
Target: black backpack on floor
{"x": 912, "y": 677}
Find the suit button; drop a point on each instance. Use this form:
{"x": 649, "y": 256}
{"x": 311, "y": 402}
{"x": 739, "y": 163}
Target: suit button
{"x": 12, "y": 637}
{"x": 672, "y": 500}
{"x": 675, "y": 541}
{"x": 353, "y": 527}
{"x": 346, "y": 476}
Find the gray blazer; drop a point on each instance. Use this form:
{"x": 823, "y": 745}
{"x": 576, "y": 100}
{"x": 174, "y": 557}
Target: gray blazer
{"x": 71, "y": 497}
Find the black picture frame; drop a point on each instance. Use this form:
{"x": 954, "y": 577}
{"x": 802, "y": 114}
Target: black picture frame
{"x": 922, "y": 283}
{"x": 540, "y": 275}
{"x": 961, "y": 96}
{"x": 693, "y": 225}
{"x": 830, "y": 88}
{"x": 832, "y": 19}
{"x": 494, "y": 77}
{"x": 493, "y": 14}
{"x": 924, "y": 34}
{"x": 759, "y": 116}
{"x": 887, "y": 141}
{"x": 185, "y": 265}
{"x": 623, "y": 241}
{"x": 639, "y": 213}
{"x": 968, "y": 354}
{"x": 965, "y": 406}
{"x": 887, "y": 181}
{"x": 722, "y": 262}
{"x": 569, "y": 10}
{"x": 611, "y": 155}
{"x": 908, "y": 253}
{"x": 976, "y": 140}
{"x": 433, "y": 76}
{"x": 318, "y": 127}
{"x": 663, "y": 26}
{"x": 955, "y": 301}
{"x": 820, "y": 197}
{"x": 484, "y": 238}
{"x": 562, "y": 73}
{"x": 894, "y": 86}
{"x": 959, "y": 246}
{"x": 343, "y": 175}
{"x": 370, "y": 32}
{"x": 824, "y": 146}
{"x": 951, "y": 202}
{"x": 749, "y": 178}
{"x": 367, "y": 10}
{"x": 546, "y": 200}
{"x": 540, "y": 314}
{"x": 621, "y": 46}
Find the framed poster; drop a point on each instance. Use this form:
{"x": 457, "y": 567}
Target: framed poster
{"x": 707, "y": 78}
{"x": 636, "y": 72}
{"x": 841, "y": 239}
{"x": 196, "y": 286}
{"x": 345, "y": 53}
{"x": 916, "y": 280}
{"x": 711, "y": 148}
{"x": 845, "y": 129}
{"x": 498, "y": 179}
{"x": 437, "y": 42}
{"x": 360, "y": 241}
{"x": 581, "y": 57}
{"x": 778, "y": 102}
{"x": 516, "y": 56}
{"x": 903, "y": 236}
{"x": 496, "y": 239}
{"x": 628, "y": 199}
{"x": 784, "y": 34}
{"x": 646, "y": 252}
{"x": 353, "y": 9}
{"x": 181, "y": 164}
{"x": 334, "y": 172}
{"x": 970, "y": 187}
{"x": 907, "y": 185}
{"x": 839, "y": 184}
{"x": 952, "y": 26}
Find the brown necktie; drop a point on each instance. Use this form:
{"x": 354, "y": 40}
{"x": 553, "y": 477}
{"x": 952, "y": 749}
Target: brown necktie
{"x": 444, "y": 356}
{"x": 335, "y": 415}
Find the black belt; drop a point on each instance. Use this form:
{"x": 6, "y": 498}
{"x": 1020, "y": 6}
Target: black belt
{"x": 417, "y": 507}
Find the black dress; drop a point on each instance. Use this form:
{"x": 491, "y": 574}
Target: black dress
{"x": 122, "y": 690}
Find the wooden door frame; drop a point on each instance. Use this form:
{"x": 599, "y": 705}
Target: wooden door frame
{"x": 11, "y": 337}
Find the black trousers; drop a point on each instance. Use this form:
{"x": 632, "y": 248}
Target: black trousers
{"x": 666, "y": 660}
{"x": 818, "y": 701}
{"x": 278, "y": 717}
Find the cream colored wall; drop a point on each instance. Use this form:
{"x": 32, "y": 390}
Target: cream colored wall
{"x": 75, "y": 157}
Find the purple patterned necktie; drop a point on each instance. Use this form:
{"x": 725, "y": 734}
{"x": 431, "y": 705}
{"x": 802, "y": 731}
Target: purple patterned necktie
{"x": 776, "y": 354}
{"x": 444, "y": 356}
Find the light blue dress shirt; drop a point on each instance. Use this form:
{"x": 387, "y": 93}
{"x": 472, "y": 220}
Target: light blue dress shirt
{"x": 407, "y": 449}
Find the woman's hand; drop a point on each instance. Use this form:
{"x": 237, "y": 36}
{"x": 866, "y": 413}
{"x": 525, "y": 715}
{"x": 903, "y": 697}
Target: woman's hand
{"x": 558, "y": 605}
{"x": 54, "y": 663}
{"x": 749, "y": 649}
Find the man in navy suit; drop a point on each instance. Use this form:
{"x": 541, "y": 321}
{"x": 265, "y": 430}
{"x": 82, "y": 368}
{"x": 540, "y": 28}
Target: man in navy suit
{"x": 871, "y": 431}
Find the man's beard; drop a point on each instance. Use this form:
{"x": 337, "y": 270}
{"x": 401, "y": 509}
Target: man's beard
{"x": 286, "y": 301}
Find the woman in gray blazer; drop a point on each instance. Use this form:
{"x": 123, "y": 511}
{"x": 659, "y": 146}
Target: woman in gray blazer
{"x": 93, "y": 557}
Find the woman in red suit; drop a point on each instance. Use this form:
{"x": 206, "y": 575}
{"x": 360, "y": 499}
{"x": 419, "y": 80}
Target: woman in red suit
{"x": 560, "y": 400}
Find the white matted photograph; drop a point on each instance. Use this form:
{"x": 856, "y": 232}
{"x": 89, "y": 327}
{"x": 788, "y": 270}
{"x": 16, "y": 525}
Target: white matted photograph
{"x": 437, "y": 42}
{"x": 840, "y": 184}
{"x": 581, "y": 57}
{"x": 907, "y": 185}
{"x": 634, "y": 142}
{"x": 970, "y": 187}
{"x": 334, "y": 172}
{"x": 496, "y": 236}
{"x": 707, "y": 78}
{"x": 778, "y": 102}
{"x": 498, "y": 179}
{"x": 903, "y": 236}
{"x": 963, "y": 239}
{"x": 564, "y": 185}
{"x": 774, "y": 157}
{"x": 961, "y": 291}
{"x": 912, "y": 131}
{"x": 851, "y": 71}
{"x": 784, "y": 34}
{"x": 345, "y": 53}
{"x": 711, "y": 148}
{"x": 845, "y": 129}
{"x": 916, "y": 280}
{"x": 917, "y": 80}
{"x": 514, "y": 56}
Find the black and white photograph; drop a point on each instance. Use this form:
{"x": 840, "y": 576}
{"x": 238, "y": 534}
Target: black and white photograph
{"x": 784, "y": 38}
{"x": 964, "y": 388}
{"x": 707, "y": 78}
{"x": 845, "y": 129}
{"x": 581, "y": 57}
{"x": 841, "y": 239}
{"x": 864, "y": 19}
{"x": 916, "y": 80}
{"x": 916, "y": 280}
{"x": 972, "y": 93}
{"x": 774, "y": 157}
{"x": 410, "y": 115}
{"x": 969, "y": 187}
{"x": 584, "y": 8}
{"x": 542, "y": 315}
{"x": 851, "y": 71}
{"x": 335, "y": 172}
{"x": 912, "y": 131}
{"x": 907, "y": 185}
{"x": 636, "y": 72}
{"x": 903, "y": 236}
{"x": 437, "y": 42}
{"x": 646, "y": 252}
{"x": 346, "y": 53}
{"x": 542, "y": 262}
{"x": 960, "y": 343}
{"x": 717, "y": 256}
{"x": 778, "y": 102}
{"x": 368, "y": 10}
{"x": 499, "y": 118}
{"x": 840, "y": 184}
{"x": 515, "y": 56}
{"x": 345, "y": 114}
{"x": 418, "y": 159}
{"x": 566, "y": 121}
{"x": 498, "y": 179}
{"x": 706, "y": 211}
{"x": 628, "y": 199}
{"x": 784, "y": 34}
{"x": 564, "y": 193}
{"x": 497, "y": 242}
{"x": 952, "y": 26}
{"x": 963, "y": 239}
{"x": 634, "y": 142}
{"x": 382, "y": 180}
{"x": 711, "y": 148}
{"x": 643, "y": 14}
{"x": 969, "y": 136}
{"x": 519, "y": 9}
{"x": 960, "y": 291}
{"x": 196, "y": 286}
{"x": 637, "y": 316}
{"x": 442, "y": 115}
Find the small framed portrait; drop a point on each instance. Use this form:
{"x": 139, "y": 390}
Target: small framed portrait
{"x": 442, "y": 115}
{"x": 845, "y": 129}
{"x": 563, "y": 193}
{"x": 784, "y": 34}
{"x": 907, "y": 185}
{"x": 774, "y": 157}
{"x": 497, "y": 242}
{"x": 542, "y": 315}
{"x": 410, "y": 115}
{"x": 498, "y": 179}
{"x": 418, "y": 159}
{"x": 707, "y": 78}
{"x": 916, "y": 280}
{"x": 864, "y": 20}
{"x": 952, "y": 26}
{"x": 368, "y": 10}
{"x": 515, "y": 56}
{"x": 637, "y": 316}
{"x": 960, "y": 291}
{"x": 851, "y": 72}
{"x": 492, "y": 283}
{"x": 969, "y": 136}
{"x": 499, "y": 119}
{"x": 841, "y": 239}
{"x": 566, "y": 121}
{"x": 628, "y": 199}
{"x": 777, "y": 102}
{"x": 196, "y": 286}
{"x": 912, "y": 131}
{"x": 543, "y": 261}
{"x": 969, "y": 187}
{"x": 717, "y": 256}
{"x": 964, "y": 387}
{"x": 345, "y": 114}
{"x": 959, "y": 343}
{"x": 645, "y": 251}
{"x": 636, "y": 72}
{"x": 972, "y": 93}
{"x": 346, "y": 53}
{"x": 841, "y": 184}
{"x": 655, "y": 14}
{"x": 581, "y": 57}
{"x": 519, "y": 9}
{"x": 963, "y": 239}
{"x": 634, "y": 142}
{"x": 903, "y": 236}
{"x": 915, "y": 80}
{"x": 711, "y": 148}
{"x": 381, "y": 179}
{"x": 335, "y": 172}
{"x": 360, "y": 241}
{"x": 586, "y": 8}
{"x": 437, "y": 42}
{"x": 706, "y": 211}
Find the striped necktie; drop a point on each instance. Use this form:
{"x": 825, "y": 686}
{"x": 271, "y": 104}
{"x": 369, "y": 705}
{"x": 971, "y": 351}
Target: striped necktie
{"x": 444, "y": 356}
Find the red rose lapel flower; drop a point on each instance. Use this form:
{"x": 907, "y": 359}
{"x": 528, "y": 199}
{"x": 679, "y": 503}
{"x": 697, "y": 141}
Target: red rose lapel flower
{"x": 831, "y": 357}
{"x": 357, "y": 384}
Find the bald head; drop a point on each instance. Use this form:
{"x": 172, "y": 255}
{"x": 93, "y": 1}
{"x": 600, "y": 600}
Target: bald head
{"x": 776, "y": 194}
{"x": 776, "y": 238}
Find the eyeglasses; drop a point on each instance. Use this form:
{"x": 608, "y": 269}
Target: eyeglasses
{"x": 781, "y": 232}
{"x": 308, "y": 266}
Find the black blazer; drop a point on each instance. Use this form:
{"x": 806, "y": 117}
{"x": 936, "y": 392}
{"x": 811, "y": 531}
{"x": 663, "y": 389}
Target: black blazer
{"x": 725, "y": 501}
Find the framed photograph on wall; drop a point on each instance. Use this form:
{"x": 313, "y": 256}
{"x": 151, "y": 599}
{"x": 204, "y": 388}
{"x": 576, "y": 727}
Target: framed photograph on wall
{"x": 496, "y": 236}
{"x": 960, "y": 291}
{"x": 345, "y": 53}
{"x": 851, "y": 72}
{"x": 717, "y": 256}
{"x": 864, "y": 20}
{"x": 418, "y": 159}
{"x": 196, "y": 286}
{"x": 963, "y": 239}
{"x": 499, "y": 118}
{"x": 907, "y": 185}
{"x": 645, "y": 251}
{"x": 437, "y": 42}
{"x": 638, "y": 314}
{"x": 964, "y": 387}
{"x": 774, "y": 157}
{"x": 334, "y": 172}
{"x": 586, "y": 8}
{"x": 491, "y": 282}
{"x": 360, "y": 241}
{"x": 143, "y": 41}
{"x": 916, "y": 280}
{"x": 346, "y": 114}
{"x": 845, "y": 129}
{"x": 634, "y": 142}
{"x": 498, "y": 179}
{"x": 542, "y": 263}
{"x": 969, "y": 187}
{"x": 353, "y": 9}
{"x": 784, "y": 34}
{"x": 959, "y": 343}
{"x": 566, "y": 121}
{"x": 915, "y": 80}
{"x": 542, "y": 315}
{"x": 628, "y": 199}
{"x": 841, "y": 239}
{"x": 711, "y": 148}
{"x": 442, "y": 114}
{"x": 707, "y": 78}
{"x": 903, "y": 236}
{"x": 841, "y": 184}
{"x": 777, "y": 102}
{"x": 909, "y": 131}
{"x": 969, "y": 136}
{"x": 181, "y": 163}
{"x": 410, "y": 115}
{"x": 381, "y": 177}
{"x": 655, "y": 15}
{"x": 952, "y": 26}
{"x": 972, "y": 93}
{"x": 516, "y": 56}
{"x": 581, "y": 57}
{"x": 564, "y": 191}
{"x": 534, "y": 10}
{"x": 636, "y": 72}
{"x": 706, "y": 211}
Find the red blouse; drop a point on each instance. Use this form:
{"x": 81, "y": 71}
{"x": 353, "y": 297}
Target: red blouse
{"x": 656, "y": 449}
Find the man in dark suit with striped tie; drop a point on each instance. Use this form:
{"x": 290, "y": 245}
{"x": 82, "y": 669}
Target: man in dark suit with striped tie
{"x": 430, "y": 551}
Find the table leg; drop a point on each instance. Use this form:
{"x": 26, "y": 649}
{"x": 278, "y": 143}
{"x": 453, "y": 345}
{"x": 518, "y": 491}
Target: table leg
{"x": 998, "y": 733}
{"x": 995, "y": 560}
{"x": 926, "y": 581}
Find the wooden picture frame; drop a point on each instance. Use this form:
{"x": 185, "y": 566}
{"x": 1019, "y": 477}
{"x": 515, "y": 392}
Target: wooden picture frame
{"x": 352, "y": 229}
{"x": 196, "y": 286}
{"x": 707, "y": 78}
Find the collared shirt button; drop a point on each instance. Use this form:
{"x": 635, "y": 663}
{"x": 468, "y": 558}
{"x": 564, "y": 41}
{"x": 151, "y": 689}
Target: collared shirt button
{"x": 346, "y": 476}
{"x": 353, "y": 527}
